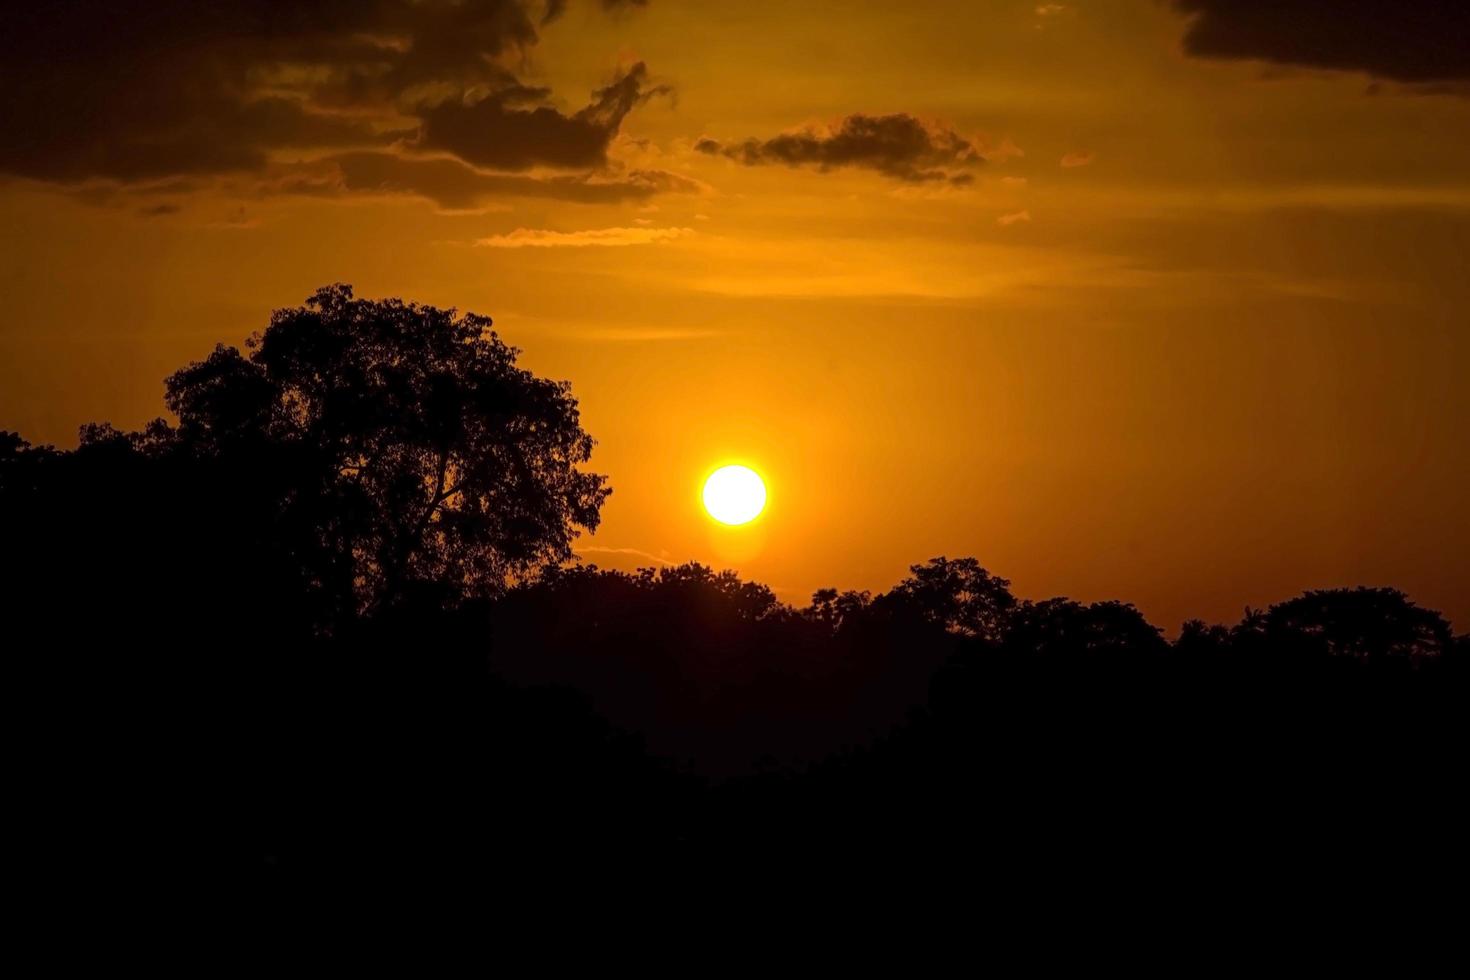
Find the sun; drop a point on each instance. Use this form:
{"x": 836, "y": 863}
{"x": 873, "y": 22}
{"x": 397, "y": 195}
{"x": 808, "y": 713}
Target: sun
{"x": 734, "y": 495}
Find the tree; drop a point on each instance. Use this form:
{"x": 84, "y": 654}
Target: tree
{"x": 1361, "y": 624}
{"x": 959, "y": 595}
{"x": 1063, "y": 629}
{"x": 699, "y": 586}
{"x": 403, "y": 444}
{"x": 833, "y": 609}
{"x": 1200, "y": 639}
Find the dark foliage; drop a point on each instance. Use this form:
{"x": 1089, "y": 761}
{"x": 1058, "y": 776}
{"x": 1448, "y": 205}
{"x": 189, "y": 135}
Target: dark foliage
{"x": 323, "y": 630}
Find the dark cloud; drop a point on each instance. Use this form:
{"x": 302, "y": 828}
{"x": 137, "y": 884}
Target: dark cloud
{"x": 141, "y": 90}
{"x": 494, "y": 133}
{"x": 899, "y": 146}
{"x": 1421, "y": 42}
{"x": 133, "y": 90}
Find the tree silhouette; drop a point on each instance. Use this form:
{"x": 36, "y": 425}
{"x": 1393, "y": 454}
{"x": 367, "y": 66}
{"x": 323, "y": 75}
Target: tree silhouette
{"x": 834, "y": 609}
{"x": 1062, "y": 628}
{"x": 1363, "y": 624}
{"x": 959, "y": 595}
{"x": 328, "y": 616}
{"x": 405, "y": 445}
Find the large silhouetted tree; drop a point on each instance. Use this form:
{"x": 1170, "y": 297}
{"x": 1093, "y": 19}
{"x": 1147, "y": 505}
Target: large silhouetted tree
{"x": 405, "y": 446}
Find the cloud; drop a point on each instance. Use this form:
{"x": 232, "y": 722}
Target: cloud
{"x": 1413, "y": 41}
{"x": 899, "y": 146}
{"x": 495, "y": 133}
{"x": 635, "y": 552}
{"x": 141, "y": 90}
{"x": 1015, "y": 217}
{"x": 542, "y": 238}
{"x": 555, "y": 8}
{"x": 456, "y": 186}
{"x": 1078, "y": 159}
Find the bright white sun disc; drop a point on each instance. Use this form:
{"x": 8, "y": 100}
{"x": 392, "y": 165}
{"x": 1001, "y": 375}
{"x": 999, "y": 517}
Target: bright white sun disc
{"x": 734, "y": 495}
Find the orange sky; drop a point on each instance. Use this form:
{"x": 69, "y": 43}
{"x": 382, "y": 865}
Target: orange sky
{"x": 1130, "y": 322}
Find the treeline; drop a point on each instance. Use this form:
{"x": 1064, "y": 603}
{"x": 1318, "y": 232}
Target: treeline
{"x": 324, "y": 625}
{"x": 189, "y": 707}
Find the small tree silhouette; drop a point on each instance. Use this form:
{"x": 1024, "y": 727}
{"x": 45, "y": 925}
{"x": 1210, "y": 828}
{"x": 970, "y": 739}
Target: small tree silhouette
{"x": 959, "y": 595}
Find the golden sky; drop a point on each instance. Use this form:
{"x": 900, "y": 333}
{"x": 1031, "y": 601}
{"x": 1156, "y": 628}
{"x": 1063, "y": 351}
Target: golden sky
{"x": 1147, "y": 300}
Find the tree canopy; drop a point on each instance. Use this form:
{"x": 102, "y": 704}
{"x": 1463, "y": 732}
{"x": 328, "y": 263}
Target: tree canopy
{"x": 404, "y": 444}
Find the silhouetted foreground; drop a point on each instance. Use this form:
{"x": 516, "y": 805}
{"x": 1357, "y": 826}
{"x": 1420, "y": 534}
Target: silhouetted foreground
{"x": 323, "y": 629}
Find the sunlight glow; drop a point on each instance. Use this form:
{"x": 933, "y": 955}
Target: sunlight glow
{"x": 734, "y": 495}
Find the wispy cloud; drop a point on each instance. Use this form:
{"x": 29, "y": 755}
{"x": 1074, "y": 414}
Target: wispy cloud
{"x": 636, "y": 553}
{"x": 1006, "y": 220}
{"x": 543, "y": 238}
{"x": 1078, "y": 159}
